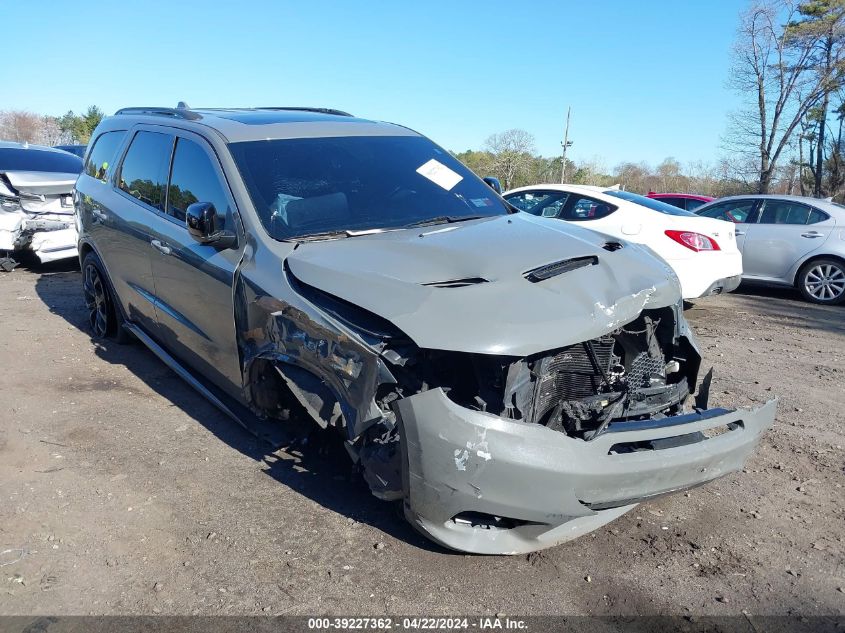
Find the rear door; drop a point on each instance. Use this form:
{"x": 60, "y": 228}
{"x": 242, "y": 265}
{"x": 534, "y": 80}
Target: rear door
{"x": 121, "y": 208}
{"x": 194, "y": 281}
{"x": 786, "y": 231}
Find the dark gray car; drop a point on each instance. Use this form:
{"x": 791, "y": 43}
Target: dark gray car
{"x": 515, "y": 381}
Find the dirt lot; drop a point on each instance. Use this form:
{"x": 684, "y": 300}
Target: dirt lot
{"x": 129, "y": 494}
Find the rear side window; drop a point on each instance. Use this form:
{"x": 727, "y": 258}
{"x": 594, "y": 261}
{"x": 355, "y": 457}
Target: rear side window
{"x": 675, "y": 202}
{"x": 693, "y": 204}
{"x": 193, "y": 179}
{"x": 817, "y": 216}
{"x": 100, "y": 163}
{"x": 543, "y": 203}
{"x": 650, "y": 203}
{"x": 144, "y": 171}
{"x": 787, "y": 212}
{"x": 582, "y": 208}
{"x": 737, "y": 211}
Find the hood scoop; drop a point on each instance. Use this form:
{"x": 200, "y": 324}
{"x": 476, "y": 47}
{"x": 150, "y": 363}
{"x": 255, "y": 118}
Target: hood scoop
{"x": 558, "y": 268}
{"x": 456, "y": 283}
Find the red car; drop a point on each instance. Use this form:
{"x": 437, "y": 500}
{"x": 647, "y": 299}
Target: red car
{"x": 688, "y": 201}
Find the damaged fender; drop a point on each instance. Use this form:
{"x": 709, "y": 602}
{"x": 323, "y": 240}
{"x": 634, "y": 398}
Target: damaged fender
{"x": 332, "y": 372}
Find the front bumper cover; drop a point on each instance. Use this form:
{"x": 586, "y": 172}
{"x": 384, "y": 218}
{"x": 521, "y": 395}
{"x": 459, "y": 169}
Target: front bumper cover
{"x": 551, "y": 487}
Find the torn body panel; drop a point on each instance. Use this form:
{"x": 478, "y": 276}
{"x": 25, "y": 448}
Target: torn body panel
{"x": 332, "y": 372}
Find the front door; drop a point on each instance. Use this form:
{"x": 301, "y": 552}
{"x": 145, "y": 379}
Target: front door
{"x": 194, "y": 281}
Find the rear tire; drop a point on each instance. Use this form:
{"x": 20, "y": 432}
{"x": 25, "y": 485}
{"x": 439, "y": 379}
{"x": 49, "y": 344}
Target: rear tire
{"x": 104, "y": 318}
{"x": 822, "y": 281}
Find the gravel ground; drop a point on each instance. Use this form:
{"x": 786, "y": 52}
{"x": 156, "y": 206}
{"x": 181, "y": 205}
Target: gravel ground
{"x": 123, "y": 492}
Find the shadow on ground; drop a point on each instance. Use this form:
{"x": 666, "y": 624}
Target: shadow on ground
{"x": 307, "y": 459}
{"x": 789, "y": 304}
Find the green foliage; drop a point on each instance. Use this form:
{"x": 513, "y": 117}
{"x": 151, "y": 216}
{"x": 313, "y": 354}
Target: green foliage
{"x": 79, "y": 127}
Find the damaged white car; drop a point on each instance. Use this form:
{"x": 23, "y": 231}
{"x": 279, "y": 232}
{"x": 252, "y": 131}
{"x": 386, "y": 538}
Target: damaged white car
{"x": 515, "y": 381}
{"x": 36, "y": 203}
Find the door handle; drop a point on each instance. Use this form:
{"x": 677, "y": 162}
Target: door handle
{"x": 161, "y": 247}
{"x": 812, "y": 234}
{"x": 739, "y": 232}
{"x": 98, "y": 215}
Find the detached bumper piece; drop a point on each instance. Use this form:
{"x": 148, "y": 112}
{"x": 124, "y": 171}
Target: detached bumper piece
{"x": 476, "y": 482}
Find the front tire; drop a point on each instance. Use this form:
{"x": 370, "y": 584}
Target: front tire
{"x": 822, "y": 281}
{"x": 104, "y": 318}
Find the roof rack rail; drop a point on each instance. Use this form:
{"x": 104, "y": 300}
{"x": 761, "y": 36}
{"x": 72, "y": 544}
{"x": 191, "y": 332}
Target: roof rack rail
{"x": 180, "y": 113}
{"x": 306, "y": 109}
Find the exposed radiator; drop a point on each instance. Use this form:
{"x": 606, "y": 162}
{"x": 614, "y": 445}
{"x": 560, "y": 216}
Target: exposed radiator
{"x": 571, "y": 374}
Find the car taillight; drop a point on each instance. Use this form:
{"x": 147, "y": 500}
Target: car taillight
{"x": 694, "y": 241}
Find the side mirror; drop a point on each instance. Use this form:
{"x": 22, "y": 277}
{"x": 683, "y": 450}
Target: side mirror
{"x": 205, "y": 226}
{"x": 494, "y": 183}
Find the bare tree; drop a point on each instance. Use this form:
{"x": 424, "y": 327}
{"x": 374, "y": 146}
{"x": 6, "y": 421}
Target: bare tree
{"x": 821, "y": 28}
{"x": 20, "y": 126}
{"x": 773, "y": 67}
{"x": 670, "y": 176}
{"x": 513, "y": 154}
{"x": 28, "y": 127}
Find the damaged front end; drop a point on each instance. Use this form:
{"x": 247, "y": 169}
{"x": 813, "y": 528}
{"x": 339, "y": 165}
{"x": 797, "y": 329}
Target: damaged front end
{"x": 503, "y": 455}
{"x": 36, "y": 215}
{"x": 454, "y": 397}
{"x": 643, "y": 369}
{"x": 497, "y": 454}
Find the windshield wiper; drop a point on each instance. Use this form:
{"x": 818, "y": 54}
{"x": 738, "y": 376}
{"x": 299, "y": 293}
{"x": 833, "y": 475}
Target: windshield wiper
{"x": 327, "y": 235}
{"x": 442, "y": 219}
{"x": 323, "y": 235}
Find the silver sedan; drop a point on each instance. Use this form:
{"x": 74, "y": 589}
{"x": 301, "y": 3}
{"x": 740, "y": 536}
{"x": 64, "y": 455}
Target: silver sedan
{"x": 788, "y": 241}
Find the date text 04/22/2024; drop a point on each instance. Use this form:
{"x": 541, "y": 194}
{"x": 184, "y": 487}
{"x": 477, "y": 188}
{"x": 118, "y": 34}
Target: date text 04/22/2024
{"x": 417, "y": 623}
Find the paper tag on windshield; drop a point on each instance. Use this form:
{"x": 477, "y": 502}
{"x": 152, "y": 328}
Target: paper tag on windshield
{"x": 439, "y": 174}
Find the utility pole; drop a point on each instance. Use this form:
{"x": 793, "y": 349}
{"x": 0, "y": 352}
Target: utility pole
{"x": 566, "y": 143}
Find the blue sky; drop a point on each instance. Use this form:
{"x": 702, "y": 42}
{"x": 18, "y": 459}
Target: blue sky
{"x": 645, "y": 79}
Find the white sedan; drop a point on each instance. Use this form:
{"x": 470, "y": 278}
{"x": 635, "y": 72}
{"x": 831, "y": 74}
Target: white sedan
{"x": 702, "y": 251}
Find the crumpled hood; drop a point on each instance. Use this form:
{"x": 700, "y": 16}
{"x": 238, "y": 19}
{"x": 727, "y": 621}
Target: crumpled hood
{"x": 41, "y": 182}
{"x": 386, "y": 274}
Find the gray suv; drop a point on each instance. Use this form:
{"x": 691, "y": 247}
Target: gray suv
{"x": 515, "y": 381}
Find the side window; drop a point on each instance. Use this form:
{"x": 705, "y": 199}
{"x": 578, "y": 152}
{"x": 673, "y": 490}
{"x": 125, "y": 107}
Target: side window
{"x": 100, "y": 163}
{"x": 737, "y": 211}
{"x": 543, "y": 203}
{"x": 785, "y": 212}
{"x": 194, "y": 179}
{"x": 143, "y": 174}
{"x": 817, "y": 216}
{"x": 581, "y": 208}
{"x": 693, "y": 204}
{"x": 675, "y": 202}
